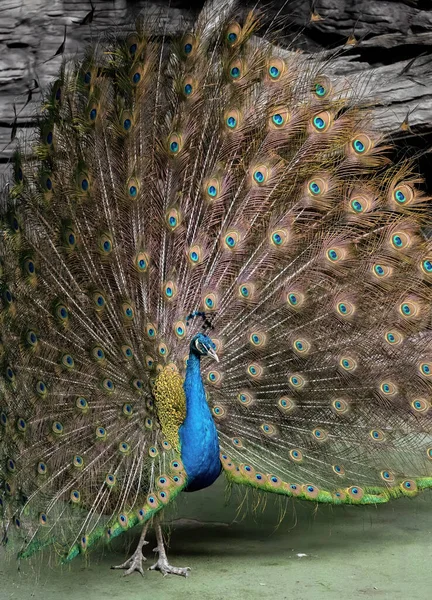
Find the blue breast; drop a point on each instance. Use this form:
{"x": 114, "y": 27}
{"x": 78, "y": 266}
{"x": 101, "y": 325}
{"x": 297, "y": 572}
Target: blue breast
{"x": 198, "y": 434}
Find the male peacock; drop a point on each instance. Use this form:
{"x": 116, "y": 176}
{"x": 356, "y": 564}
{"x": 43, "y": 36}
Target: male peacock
{"x": 214, "y": 182}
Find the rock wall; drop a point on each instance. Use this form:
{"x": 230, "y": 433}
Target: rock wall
{"x": 391, "y": 59}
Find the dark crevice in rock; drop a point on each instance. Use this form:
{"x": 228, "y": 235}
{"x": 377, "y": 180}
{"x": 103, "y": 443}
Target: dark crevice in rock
{"x": 377, "y": 55}
{"x": 17, "y": 45}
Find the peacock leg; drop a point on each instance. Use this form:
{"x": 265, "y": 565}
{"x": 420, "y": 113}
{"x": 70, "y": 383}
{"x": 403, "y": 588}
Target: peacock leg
{"x": 162, "y": 564}
{"x": 134, "y": 563}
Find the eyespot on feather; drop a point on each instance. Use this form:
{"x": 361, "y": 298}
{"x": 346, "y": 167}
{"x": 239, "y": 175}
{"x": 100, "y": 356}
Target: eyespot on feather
{"x": 276, "y": 68}
{"x": 133, "y": 188}
{"x": 189, "y": 45}
{"x": 359, "y": 203}
{"x": 108, "y": 385}
{"x": 400, "y": 240}
{"x": 180, "y": 329}
{"x": 105, "y": 244}
{"x": 360, "y": 145}
{"x": 210, "y": 301}
{"x": 409, "y": 309}
{"x": 195, "y": 255}
{"x": 409, "y": 485}
{"x": 377, "y": 435}
{"x": 381, "y": 271}
{"x": 153, "y": 451}
{"x": 162, "y": 350}
{"x": 152, "y": 501}
{"x": 426, "y": 265}
{"x": 236, "y": 70}
{"x": 340, "y": 406}
{"x": 345, "y": 309}
{"x": 127, "y": 351}
{"x": 294, "y": 488}
{"x": 388, "y": 388}
{"x": 47, "y": 183}
{"x": 402, "y": 195}
{"x": 279, "y": 238}
{"x": 128, "y": 312}
{"x": 322, "y": 87}
{"x": 425, "y": 369}
{"x": 387, "y": 476}
{"x": 301, "y": 346}
{"x": 258, "y": 339}
{"x": 254, "y": 370}
{"x": 274, "y": 481}
{"x": 57, "y": 92}
{"x": 336, "y": 254}
{"x": 97, "y": 353}
{"x": 218, "y": 412}
{"x": 93, "y": 113}
{"x": 393, "y": 337}
{"x": 174, "y": 144}
{"x": 232, "y": 119}
{"x": 297, "y": 381}
{"x": 214, "y": 377}
{"x": 295, "y": 299}
{"x": 151, "y": 331}
{"x": 316, "y": 187}
{"x": 286, "y": 404}
{"x": 173, "y": 219}
{"x": 268, "y": 429}
{"x": 169, "y": 290}
{"x": 233, "y": 34}
{"x": 311, "y": 491}
{"x": 141, "y": 262}
{"x": 231, "y": 239}
{"x": 259, "y": 175}
{"x": 247, "y": 291}
{"x": 227, "y": 463}
{"x": 355, "y": 493}
{"x": 348, "y": 363}
{"x": 278, "y": 118}
{"x": 212, "y": 189}
{"x": 134, "y": 44}
{"x": 321, "y": 122}
{"x": 339, "y": 470}
{"x": 319, "y": 434}
{"x": 189, "y": 87}
{"x": 247, "y": 470}
{"x": 245, "y": 398}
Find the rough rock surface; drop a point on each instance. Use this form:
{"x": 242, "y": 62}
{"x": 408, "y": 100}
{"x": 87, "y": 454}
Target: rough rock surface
{"x": 390, "y": 35}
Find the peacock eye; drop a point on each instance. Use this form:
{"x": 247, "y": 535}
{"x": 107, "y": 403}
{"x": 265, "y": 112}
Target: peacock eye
{"x": 200, "y": 347}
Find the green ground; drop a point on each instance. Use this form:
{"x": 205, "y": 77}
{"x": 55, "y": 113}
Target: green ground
{"x": 344, "y": 553}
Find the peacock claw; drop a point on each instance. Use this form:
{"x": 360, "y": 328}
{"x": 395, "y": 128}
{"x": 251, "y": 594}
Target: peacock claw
{"x": 134, "y": 563}
{"x": 165, "y": 568}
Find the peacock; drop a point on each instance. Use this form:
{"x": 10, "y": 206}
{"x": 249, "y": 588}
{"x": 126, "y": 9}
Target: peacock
{"x": 210, "y": 263}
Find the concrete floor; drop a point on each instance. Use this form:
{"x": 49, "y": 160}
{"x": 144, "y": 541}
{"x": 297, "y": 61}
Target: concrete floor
{"x": 315, "y": 554}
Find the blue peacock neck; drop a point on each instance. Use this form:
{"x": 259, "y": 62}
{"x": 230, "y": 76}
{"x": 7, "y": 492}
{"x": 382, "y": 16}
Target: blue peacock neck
{"x": 198, "y": 434}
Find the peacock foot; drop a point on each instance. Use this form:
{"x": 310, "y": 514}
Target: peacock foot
{"x": 134, "y": 563}
{"x": 162, "y": 563}
{"x": 165, "y": 568}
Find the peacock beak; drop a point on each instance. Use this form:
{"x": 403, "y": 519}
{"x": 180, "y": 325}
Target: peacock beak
{"x": 212, "y": 354}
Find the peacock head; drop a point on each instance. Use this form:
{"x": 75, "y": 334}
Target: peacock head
{"x": 202, "y": 345}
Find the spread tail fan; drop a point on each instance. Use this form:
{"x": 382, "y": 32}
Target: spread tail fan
{"x": 208, "y": 174}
